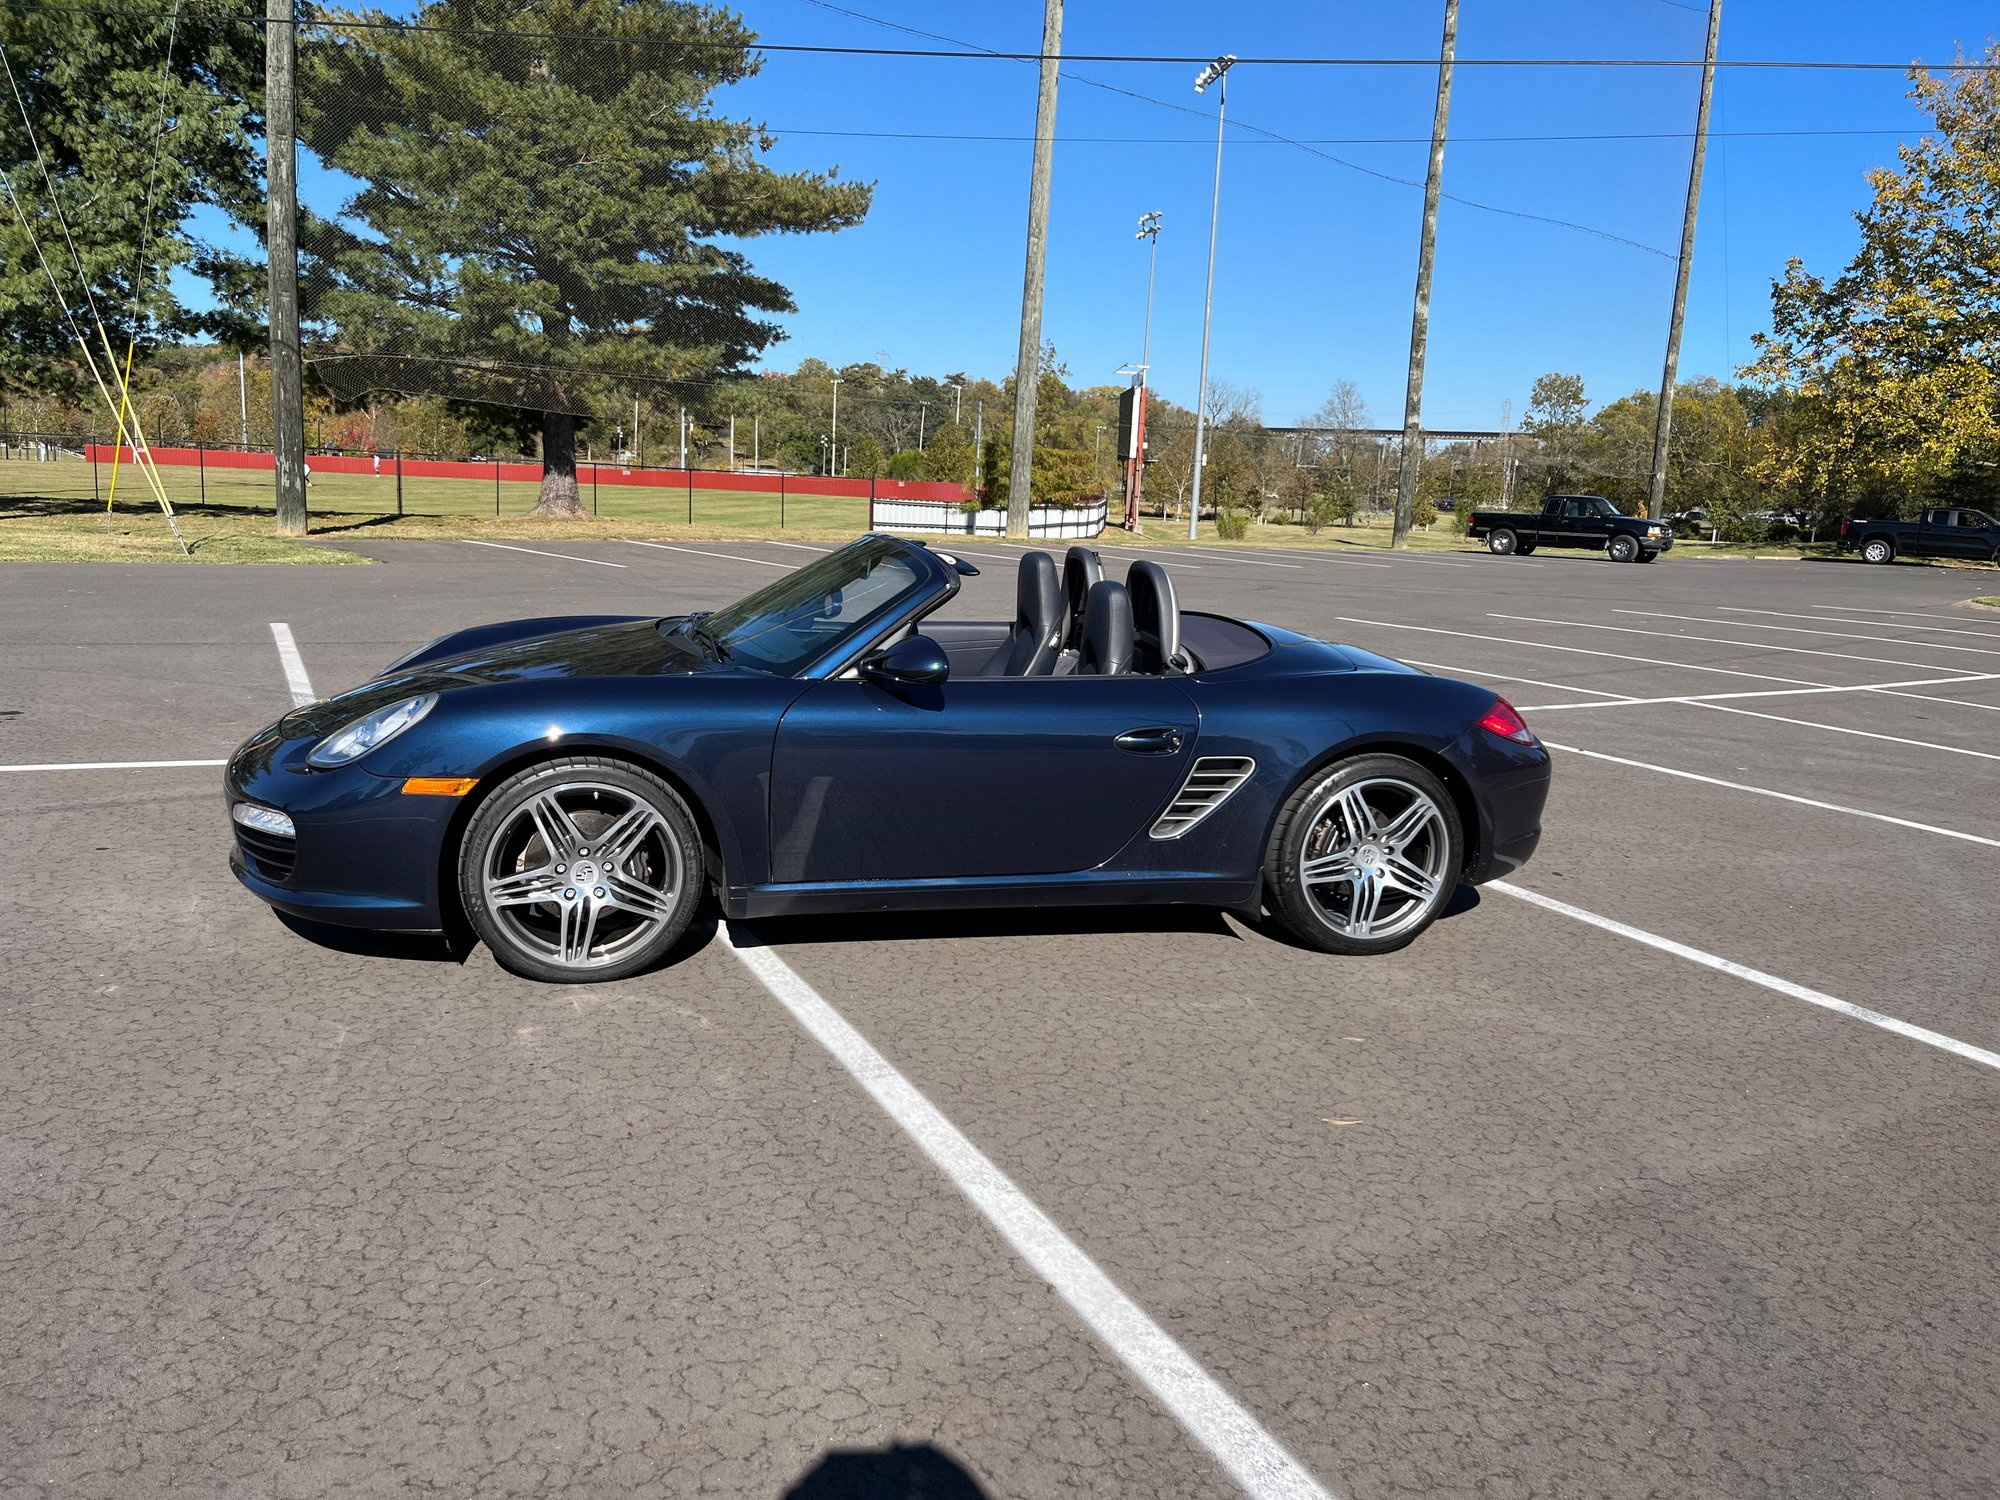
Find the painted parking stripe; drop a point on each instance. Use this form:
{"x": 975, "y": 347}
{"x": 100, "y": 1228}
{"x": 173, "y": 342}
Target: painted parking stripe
{"x": 595, "y": 562}
{"x": 1764, "y": 791}
{"x": 1716, "y": 640}
{"x": 1787, "y": 614}
{"x": 1771, "y": 982}
{"x": 759, "y": 562}
{"x": 113, "y": 765}
{"x": 1866, "y": 734}
{"x": 1252, "y": 1457}
{"x": 1908, "y": 614}
{"x": 293, "y": 663}
{"x": 1508, "y": 640}
{"x": 1844, "y": 635}
{"x": 801, "y": 546}
{"x": 1561, "y": 687}
{"x": 1888, "y": 688}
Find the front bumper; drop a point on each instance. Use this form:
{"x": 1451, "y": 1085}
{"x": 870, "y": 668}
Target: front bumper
{"x": 366, "y": 855}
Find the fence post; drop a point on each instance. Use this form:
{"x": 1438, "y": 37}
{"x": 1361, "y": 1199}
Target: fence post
{"x": 781, "y": 499}
{"x": 688, "y": 475}
{"x": 871, "y": 502}
{"x": 201, "y": 463}
{"x": 399, "y": 481}
{"x": 496, "y": 488}
{"x": 593, "y": 489}
{"x": 91, "y": 442}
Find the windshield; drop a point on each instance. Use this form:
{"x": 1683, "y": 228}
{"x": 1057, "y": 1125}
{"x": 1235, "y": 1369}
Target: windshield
{"x": 804, "y": 616}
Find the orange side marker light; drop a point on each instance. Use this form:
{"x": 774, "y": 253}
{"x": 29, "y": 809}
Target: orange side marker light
{"x": 439, "y": 786}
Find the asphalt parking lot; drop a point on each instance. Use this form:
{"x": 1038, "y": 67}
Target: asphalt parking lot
{"x": 1667, "y": 1170}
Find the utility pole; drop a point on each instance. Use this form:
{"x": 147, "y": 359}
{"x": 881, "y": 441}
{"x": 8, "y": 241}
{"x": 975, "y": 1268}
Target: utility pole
{"x": 1663, "y": 427}
{"x": 923, "y": 410}
{"x": 1507, "y": 454}
{"x": 834, "y": 437}
{"x": 242, "y": 403}
{"x": 1420, "y": 312}
{"x": 1028, "y": 363}
{"x": 957, "y": 402}
{"x": 288, "y": 400}
{"x": 978, "y": 441}
{"x": 1215, "y": 72}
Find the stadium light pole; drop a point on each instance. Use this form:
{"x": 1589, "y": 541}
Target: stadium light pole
{"x": 1216, "y": 72}
{"x": 834, "y": 438}
{"x": 1149, "y": 229}
{"x": 957, "y": 402}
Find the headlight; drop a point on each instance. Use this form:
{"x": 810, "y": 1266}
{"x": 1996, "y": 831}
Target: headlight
{"x": 369, "y": 731}
{"x": 263, "y": 819}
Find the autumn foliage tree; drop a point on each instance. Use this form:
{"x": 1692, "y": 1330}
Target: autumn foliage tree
{"x": 1891, "y": 370}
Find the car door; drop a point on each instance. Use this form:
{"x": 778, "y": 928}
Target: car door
{"x": 1581, "y": 524}
{"x": 977, "y": 777}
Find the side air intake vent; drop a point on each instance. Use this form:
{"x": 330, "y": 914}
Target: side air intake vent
{"x": 1208, "y": 786}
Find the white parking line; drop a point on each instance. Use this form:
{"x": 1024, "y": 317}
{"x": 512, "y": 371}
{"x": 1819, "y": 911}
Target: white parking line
{"x": 1675, "y": 635}
{"x": 760, "y": 562}
{"x": 1506, "y": 640}
{"x": 595, "y": 562}
{"x": 1787, "y": 614}
{"x": 1764, "y": 791}
{"x": 113, "y": 765}
{"x": 1886, "y": 688}
{"x": 1866, "y": 734}
{"x": 294, "y": 665}
{"x": 1562, "y": 687}
{"x": 1908, "y": 614}
{"x": 1755, "y": 976}
{"x": 801, "y": 546}
{"x": 1844, "y": 635}
{"x": 1252, "y": 1457}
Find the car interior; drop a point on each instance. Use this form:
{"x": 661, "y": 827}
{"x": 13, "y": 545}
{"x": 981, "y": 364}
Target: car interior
{"x": 1078, "y": 623}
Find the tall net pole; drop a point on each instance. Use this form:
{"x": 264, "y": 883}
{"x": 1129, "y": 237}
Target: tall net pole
{"x": 288, "y": 408}
{"x": 1028, "y": 365}
{"x": 1663, "y": 426}
{"x": 1420, "y": 312}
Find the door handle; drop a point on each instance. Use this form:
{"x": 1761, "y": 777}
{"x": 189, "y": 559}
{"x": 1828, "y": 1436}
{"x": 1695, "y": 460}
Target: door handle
{"x": 1164, "y": 740}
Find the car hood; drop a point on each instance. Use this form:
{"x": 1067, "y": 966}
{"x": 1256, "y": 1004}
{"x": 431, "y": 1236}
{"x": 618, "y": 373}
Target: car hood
{"x": 608, "y": 647}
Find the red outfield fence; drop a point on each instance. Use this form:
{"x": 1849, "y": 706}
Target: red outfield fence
{"x": 531, "y": 473}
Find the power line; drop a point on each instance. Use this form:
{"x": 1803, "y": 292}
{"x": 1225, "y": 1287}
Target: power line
{"x": 1358, "y": 140}
{"x": 966, "y": 53}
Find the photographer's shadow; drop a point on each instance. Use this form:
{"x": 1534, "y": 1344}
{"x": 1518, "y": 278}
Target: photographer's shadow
{"x": 920, "y": 1472}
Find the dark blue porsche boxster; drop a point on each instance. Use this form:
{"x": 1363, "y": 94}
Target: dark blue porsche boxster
{"x": 572, "y": 787}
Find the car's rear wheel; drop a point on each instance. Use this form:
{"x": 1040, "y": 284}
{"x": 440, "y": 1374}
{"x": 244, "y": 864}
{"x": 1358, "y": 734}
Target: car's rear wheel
{"x": 1364, "y": 855}
{"x": 580, "y": 870}
{"x": 1501, "y": 541}
{"x": 1625, "y": 548}
{"x": 1878, "y": 550}
{"x": 1527, "y": 549}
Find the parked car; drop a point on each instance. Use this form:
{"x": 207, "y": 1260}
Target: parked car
{"x": 1943, "y": 531}
{"x": 573, "y": 787}
{"x": 1572, "y": 521}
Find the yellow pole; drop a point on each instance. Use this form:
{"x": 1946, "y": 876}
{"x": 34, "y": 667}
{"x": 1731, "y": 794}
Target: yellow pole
{"x": 124, "y": 404}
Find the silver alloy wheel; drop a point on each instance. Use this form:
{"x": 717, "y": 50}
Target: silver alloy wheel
{"x": 1374, "y": 857}
{"x": 1877, "y": 551}
{"x": 1500, "y": 542}
{"x": 582, "y": 874}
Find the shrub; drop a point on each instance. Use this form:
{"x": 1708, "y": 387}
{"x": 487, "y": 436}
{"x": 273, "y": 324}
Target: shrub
{"x": 971, "y": 507}
{"x": 1423, "y": 513}
{"x": 1231, "y": 525}
{"x": 1321, "y": 512}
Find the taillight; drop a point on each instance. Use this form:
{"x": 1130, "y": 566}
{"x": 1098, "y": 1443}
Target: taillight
{"x": 1843, "y": 527}
{"x": 1502, "y": 719}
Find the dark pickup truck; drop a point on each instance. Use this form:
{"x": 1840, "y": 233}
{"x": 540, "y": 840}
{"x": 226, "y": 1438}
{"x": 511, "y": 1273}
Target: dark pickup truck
{"x": 1572, "y": 521}
{"x": 1944, "y": 531}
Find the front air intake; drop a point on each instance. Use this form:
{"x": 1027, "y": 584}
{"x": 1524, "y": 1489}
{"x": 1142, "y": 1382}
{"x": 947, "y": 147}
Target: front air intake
{"x": 1208, "y": 786}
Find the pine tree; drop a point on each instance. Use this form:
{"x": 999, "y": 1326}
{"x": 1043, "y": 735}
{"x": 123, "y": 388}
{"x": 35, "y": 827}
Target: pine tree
{"x": 544, "y": 192}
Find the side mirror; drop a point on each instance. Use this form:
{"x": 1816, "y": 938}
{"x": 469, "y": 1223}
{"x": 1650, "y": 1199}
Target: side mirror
{"x": 914, "y": 661}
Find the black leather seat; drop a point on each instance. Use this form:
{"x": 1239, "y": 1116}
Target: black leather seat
{"x": 1035, "y": 638}
{"x": 1081, "y": 568}
{"x": 1156, "y": 619}
{"x": 1106, "y": 649}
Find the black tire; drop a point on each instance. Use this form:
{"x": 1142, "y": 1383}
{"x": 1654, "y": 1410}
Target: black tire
{"x": 1501, "y": 542}
{"x": 550, "y": 905}
{"x": 1316, "y": 848}
{"x": 1527, "y": 549}
{"x": 1624, "y": 548}
{"x": 1645, "y": 556}
{"x": 1878, "y": 549}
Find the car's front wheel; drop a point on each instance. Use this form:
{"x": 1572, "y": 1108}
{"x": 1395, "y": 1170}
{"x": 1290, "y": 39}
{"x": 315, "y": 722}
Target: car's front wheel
{"x": 1364, "y": 855}
{"x": 580, "y": 870}
{"x": 1501, "y": 541}
{"x": 1625, "y": 548}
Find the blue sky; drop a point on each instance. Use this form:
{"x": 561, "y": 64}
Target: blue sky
{"x": 1316, "y": 262}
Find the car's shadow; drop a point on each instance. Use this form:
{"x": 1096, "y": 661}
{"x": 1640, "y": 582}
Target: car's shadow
{"x": 455, "y": 946}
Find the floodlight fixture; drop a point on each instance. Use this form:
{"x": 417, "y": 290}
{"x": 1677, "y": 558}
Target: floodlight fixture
{"x": 1214, "y": 71}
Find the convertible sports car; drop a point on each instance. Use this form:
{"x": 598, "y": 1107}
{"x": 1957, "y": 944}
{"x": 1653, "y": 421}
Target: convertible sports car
{"x": 572, "y": 787}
